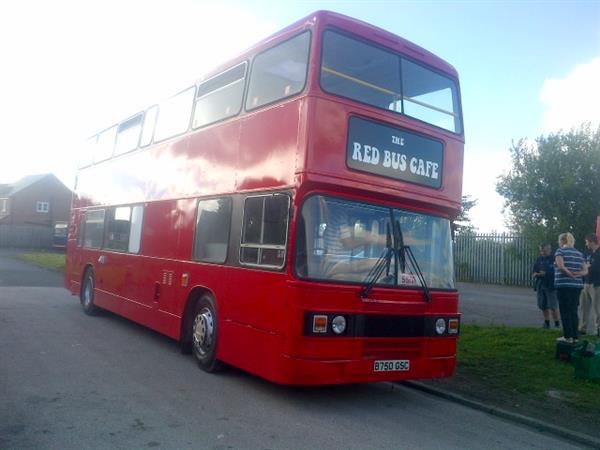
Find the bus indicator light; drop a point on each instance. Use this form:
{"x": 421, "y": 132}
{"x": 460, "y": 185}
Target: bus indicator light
{"x": 185, "y": 279}
{"x": 453, "y": 326}
{"x": 320, "y": 324}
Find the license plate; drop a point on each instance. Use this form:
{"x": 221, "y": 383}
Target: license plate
{"x": 392, "y": 365}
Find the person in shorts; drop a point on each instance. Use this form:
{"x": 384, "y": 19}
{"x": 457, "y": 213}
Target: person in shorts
{"x": 543, "y": 274}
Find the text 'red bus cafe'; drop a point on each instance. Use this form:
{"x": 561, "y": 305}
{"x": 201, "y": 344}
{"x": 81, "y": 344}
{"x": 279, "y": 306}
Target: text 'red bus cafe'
{"x": 289, "y": 214}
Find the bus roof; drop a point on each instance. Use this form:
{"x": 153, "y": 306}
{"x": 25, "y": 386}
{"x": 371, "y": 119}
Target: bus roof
{"x": 325, "y": 18}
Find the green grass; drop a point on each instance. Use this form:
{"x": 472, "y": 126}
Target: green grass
{"x": 519, "y": 363}
{"x": 55, "y": 261}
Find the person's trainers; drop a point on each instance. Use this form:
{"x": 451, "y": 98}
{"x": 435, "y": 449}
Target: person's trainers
{"x": 561, "y": 339}
{"x": 546, "y": 325}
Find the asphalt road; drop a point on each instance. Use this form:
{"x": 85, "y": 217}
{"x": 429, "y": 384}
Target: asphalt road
{"x": 499, "y": 305}
{"x": 69, "y": 381}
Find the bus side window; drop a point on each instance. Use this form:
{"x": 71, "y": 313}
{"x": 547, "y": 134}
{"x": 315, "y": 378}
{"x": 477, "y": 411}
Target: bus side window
{"x": 279, "y": 72}
{"x": 105, "y": 144}
{"x": 117, "y": 228}
{"x": 135, "y": 237}
{"x": 86, "y": 158}
{"x": 80, "y": 229}
{"x": 128, "y": 134}
{"x": 124, "y": 228}
{"x": 175, "y": 114}
{"x": 212, "y": 230}
{"x": 264, "y": 233}
{"x": 148, "y": 126}
{"x": 220, "y": 97}
{"x": 93, "y": 230}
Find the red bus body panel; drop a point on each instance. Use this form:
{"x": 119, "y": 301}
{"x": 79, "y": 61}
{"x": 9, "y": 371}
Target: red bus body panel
{"x": 298, "y": 146}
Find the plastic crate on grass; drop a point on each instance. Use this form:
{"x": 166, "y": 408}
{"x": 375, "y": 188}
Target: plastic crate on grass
{"x": 564, "y": 350}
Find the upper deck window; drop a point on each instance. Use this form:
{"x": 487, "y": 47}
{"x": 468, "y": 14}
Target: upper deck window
{"x": 86, "y": 157}
{"x": 128, "y": 134}
{"x": 148, "y": 126}
{"x": 220, "y": 97}
{"x": 279, "y": 72}
{"x": 174, "y": 115}
{"x": 105, "y": 144}
{"x": 369, "y": 74}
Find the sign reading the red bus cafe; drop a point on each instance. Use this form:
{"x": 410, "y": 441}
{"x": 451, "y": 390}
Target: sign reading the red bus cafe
{"x": 394, "y": 153}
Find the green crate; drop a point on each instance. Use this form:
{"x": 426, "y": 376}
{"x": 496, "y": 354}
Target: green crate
{"x": 565, "y": 350}
{"x": 586, "y": 367}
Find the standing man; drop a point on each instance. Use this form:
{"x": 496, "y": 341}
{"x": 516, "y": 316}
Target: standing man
{"x": 590, "y": 296}
{"x": 543, "y": 273}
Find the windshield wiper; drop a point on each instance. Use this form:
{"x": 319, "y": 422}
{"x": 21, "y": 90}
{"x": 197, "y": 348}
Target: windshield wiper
{"x": 382, "y": 263}
{"x": 402, "y": 252}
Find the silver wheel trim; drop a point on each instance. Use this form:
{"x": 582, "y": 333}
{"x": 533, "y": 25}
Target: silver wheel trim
{"x": 87, "y": 292}
{"x": 203, "y": 331}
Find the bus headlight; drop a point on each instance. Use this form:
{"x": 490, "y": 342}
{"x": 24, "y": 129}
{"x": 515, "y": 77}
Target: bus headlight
{"x": 440, "y": 326}
{"x": 338, "y": 324}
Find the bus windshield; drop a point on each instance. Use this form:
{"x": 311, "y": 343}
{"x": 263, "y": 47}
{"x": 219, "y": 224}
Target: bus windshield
{"x": 369, "y": 74}
{"x": 340, "y": 240}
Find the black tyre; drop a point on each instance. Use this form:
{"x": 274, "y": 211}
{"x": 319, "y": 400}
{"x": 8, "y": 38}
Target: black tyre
{"x": 87, "y": 294}
{"x": 205, "y": 334}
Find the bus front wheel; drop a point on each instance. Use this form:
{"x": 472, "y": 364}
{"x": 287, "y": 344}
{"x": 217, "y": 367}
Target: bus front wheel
{"x": 205, "y": 334}
{"x": 87, "y": 294}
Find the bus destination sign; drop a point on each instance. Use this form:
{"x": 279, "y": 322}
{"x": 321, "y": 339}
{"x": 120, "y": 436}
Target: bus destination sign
{"x": 394, "y": 153}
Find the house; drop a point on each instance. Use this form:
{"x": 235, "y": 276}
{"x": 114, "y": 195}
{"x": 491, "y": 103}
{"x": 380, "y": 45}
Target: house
{"x": 35, "y": 200}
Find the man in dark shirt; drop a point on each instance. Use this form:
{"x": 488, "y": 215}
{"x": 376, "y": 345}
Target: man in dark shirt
{"x": 543, "y": 274}
{"x": 590, "y": 296}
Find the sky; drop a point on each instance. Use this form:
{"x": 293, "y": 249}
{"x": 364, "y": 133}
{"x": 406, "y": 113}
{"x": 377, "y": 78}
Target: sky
{"x": 73, "y": 68}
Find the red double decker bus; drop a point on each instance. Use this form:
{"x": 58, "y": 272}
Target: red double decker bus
{"x": 289, "y": 214}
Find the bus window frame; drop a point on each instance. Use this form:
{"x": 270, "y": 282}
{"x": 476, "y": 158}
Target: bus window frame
{"x": 280, "y": 99}
{"x": 193, "y": 257}
{"x": 141, "y": 114}
{"x": 89, "y": 148}
{"x": 102, "y": 247}
{"x": 285, "y": 248}
{"x": 85, "y": 215}
{"x": 193, "y": 87}
{"x": 114, "y": 141}
{"x": 245, "y": 79}
{"x": 400, "y": 56}
{"x": 141, "y": 144}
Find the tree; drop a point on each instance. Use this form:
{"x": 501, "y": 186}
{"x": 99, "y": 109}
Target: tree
{"x": 554, "y": 186}
{"x": 462, "y": 224}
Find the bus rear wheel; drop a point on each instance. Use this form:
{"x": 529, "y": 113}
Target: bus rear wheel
{"x": 205, "y": 334}
{"x": 87, "y": 294}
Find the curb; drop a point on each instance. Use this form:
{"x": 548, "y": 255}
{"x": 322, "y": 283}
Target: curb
{"x": 562, "y": 432}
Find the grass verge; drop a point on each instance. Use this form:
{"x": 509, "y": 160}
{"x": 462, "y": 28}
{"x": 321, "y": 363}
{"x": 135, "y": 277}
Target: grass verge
{"x": 49, "y": 260}
{"x": 515, "y": 369}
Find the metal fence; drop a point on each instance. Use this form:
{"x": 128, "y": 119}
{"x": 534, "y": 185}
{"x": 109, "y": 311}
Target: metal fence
{"x": 25, "y": 236}
{"x": 493, "y": 259}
